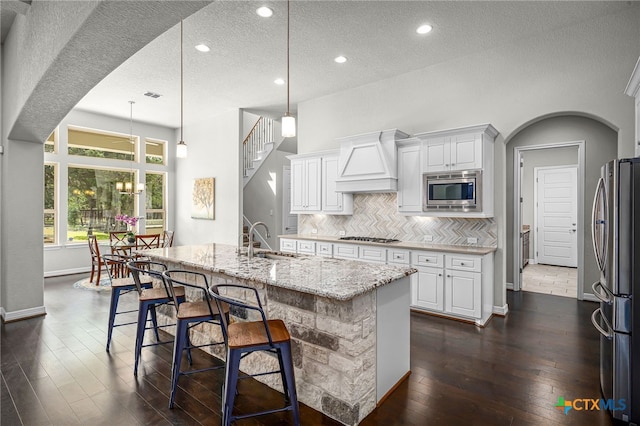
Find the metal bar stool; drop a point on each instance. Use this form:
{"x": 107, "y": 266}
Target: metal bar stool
{"x": 244, "y": 338}
{"x": 197, "y": 308}
{"x": 150, "y": 299}
{"x": 121, "y": 283}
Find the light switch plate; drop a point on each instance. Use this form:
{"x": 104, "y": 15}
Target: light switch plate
{"x": 472, "y": 240}
{"x": 427, "y": 238}
{"x": 314, "y": 231}
{"x": 343, "y": 233}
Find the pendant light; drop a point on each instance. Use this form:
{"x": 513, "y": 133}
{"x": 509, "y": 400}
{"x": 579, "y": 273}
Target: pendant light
{"x": 288, "y": 121}
{"x": 127, "y": 187}
{"x": 181, "y": 148}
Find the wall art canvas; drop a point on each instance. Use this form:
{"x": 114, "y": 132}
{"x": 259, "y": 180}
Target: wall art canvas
{"x": 203, "y": 199}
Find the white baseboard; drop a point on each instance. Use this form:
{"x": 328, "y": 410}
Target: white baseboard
{"x": 509, "y": 286}
{"x": 22, "y": 314}
{"x": 67, "y": 272}
{"x": 589, "y": 297}
{"x": 501, "y": 310}
{"x": 532, "y": 261}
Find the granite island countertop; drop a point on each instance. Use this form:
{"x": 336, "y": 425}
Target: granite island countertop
{"x": 407, "y": 245}
{"x": 327, "y": 277}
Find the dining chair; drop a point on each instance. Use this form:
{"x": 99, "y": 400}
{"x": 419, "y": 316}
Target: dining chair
{"x": 149, "y": 241}
{"x": 198, "y": 308}
{"x": 97, "y": 262}
{"x": 167, "y": 239}
{"x": 246, "y": 337}
{"x": 121, "y": 283}
{"x": 117, "y": 238}
{"x": 149, "y": 300}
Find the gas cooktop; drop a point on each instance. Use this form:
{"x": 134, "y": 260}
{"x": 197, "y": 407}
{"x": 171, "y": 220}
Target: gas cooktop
{"x": 371, "y": 239}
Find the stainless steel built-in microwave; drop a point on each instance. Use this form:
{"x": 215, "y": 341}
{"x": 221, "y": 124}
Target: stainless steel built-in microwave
{"x": 458, "y": 191}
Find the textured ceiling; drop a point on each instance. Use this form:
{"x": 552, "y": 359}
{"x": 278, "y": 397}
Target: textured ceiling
{"x": 248, "y": 52}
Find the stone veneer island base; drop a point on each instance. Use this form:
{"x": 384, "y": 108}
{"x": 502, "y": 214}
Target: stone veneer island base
{"x": 348, "y": 320}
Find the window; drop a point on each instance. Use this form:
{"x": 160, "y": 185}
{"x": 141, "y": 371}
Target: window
{"x": 50, "y": 143}
{"x": 94, "y": 201}
{"x": 50, "y": 203}
{"x": 154, "y": 151}
{"x": 99, "y": 144}
{"x": 154, "y": 185}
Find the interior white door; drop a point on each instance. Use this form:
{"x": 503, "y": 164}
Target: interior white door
{"x": 556, "y": 216}
{"x": 289, "y": 221}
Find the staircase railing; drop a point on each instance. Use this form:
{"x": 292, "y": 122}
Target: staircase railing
{"x": 261, "y": 133}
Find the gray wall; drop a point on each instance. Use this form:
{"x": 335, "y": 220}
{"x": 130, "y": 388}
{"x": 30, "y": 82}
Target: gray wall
{"x": 600, "y": 147}
{"x": 260, "y": 202}
{"x": 540, "y": 158}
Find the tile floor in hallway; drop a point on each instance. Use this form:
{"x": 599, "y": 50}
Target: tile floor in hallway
{"x": 548, "y": 279}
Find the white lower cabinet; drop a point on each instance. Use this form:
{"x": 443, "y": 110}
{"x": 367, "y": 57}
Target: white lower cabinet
{"x": 462, "y": 293}
{"x": 324, "y": 249}
{"x": 287, "y": 245}
{"x": 427, "y": 289}
{"x": 450, "y": 284}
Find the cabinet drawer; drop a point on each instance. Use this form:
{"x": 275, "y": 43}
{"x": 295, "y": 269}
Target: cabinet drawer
{"x": 345, "y": 251}
{"x": 288, "y": 245}
{"x": 464, "y": 263}
{"x": 426, "y": 258}
{"x": 324, "y": 249}
{"x": 307, "y": 247}
{"x": 373, "y": 254}
{"x": 402, "y": 257}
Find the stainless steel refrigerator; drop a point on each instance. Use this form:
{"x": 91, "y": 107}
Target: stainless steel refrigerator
{"x": 616, "y": 243}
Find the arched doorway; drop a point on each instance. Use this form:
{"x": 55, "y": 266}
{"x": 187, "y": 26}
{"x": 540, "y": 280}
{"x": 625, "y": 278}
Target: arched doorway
{"x": 586, "y": 143}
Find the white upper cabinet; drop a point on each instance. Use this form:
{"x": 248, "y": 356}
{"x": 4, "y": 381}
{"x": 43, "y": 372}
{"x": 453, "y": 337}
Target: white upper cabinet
{"x": 333, "y": 202}
{"x": 409, "y": 177}
{"x": 305, "y": 185}
{"x": 313, "y": 184}
{"x": 466, "y": 148}
{"x": 633, "y": 89}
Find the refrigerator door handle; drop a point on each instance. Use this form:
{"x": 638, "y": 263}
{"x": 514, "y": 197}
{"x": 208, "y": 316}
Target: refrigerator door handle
{"x": 604, "y": 296}
{"x": 599, "y": 245}
{"x": 608, "y": 334}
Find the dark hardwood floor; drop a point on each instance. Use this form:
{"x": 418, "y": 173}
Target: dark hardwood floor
{"x": 55, "y": 370}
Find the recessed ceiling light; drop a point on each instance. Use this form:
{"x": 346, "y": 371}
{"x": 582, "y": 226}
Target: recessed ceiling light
{"x": 279, "y": 81}
{"x": 340, "y": 59}
{"x": 424, "y": 29}
{"x": 264, "y": 11}
{"x": 202, "y": 48}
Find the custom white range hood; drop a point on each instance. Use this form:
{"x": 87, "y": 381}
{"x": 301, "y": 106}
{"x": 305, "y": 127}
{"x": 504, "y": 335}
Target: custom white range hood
{"x": 368, "y": 162}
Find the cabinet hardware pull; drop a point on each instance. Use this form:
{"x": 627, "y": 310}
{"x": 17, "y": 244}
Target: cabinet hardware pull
{"x": 461, "y": 263}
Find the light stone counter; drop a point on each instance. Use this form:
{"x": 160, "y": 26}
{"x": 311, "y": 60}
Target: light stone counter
{"x": 349, "y": 322}
{"x": 407, "y": 245}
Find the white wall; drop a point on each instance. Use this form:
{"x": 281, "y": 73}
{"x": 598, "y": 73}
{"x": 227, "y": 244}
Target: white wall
{"x": 65, "y": 257}
{"x": 214, "y": 151}
{"x": 582, "y": 68}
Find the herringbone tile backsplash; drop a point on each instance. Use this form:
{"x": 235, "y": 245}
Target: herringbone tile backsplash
{"x": 376, "y": 215}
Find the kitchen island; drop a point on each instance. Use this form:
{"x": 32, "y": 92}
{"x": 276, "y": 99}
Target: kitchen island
{"x": 348, "y": 320}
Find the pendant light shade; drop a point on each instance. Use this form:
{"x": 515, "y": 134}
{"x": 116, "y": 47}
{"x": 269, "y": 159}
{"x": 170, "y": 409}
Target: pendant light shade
{"x": 288, "y": 126}
{"x": 288, "y": 121}
{"x": 181, "y": 148}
